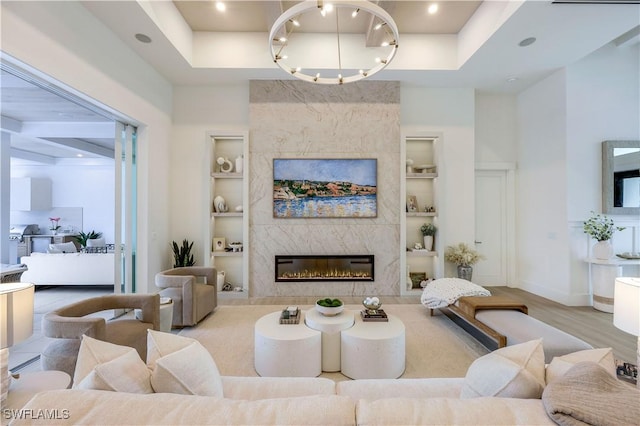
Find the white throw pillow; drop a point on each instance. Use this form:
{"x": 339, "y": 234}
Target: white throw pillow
{"x": 106, "y": 366}
{"x": 63, "y": 248}
{"x": 181, "y": 365}
{"x": 512, "y": 372}
{"x": 561, "y": 364}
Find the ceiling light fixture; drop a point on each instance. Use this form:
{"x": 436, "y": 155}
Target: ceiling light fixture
{"x": 527, "y": 42}
{"x": 221, "y": 6}
{"x": 433, "y": 8}
{"x": 318, "y": 48}
{"x": 143, "y": 38}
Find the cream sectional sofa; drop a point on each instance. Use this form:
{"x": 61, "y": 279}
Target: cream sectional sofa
{"x": 69, "y": 268}
{"x": 511, "y": 386}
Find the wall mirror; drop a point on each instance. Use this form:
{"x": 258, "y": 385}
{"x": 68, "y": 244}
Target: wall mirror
{"x": 621, "y": 177}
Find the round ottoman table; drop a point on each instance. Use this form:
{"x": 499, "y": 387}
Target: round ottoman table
{"x": 286, "y": 350}
{"x": 330, "y": 326}
{"x": 373, "y": 349}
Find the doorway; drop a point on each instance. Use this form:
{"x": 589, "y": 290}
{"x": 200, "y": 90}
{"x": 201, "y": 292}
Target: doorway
{"x": 494, "y": 226}
{"x": 36, "y": 112}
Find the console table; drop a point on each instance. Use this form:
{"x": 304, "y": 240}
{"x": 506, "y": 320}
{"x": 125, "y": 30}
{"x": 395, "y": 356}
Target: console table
{"x": 602, "y": 277}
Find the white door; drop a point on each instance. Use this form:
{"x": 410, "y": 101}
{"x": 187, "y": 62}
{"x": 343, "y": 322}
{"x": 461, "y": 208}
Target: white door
{"x": 491, "y": 227}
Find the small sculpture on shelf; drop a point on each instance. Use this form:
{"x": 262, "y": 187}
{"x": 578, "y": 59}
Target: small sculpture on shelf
{"x": 220, "y": 204}
{"x": 226, "y": 166}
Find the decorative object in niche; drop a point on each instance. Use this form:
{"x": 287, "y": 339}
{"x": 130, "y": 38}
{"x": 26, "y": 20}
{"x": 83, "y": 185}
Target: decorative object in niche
{"x": 324, "y": 188}
{"x": 220, "y": 204}
{"x": 239, "y": 164}
{"x": 226, "y": 166}
{"x": 621, "y": 177}
{"x": 428, "y": 232}
{"x": 412, "y": 204}
{"x": 219, "y": 244}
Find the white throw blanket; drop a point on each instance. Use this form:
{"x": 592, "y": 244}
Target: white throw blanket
{"x": 445, "y": 291}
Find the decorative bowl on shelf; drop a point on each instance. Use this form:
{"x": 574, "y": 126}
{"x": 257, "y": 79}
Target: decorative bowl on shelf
{"x": 372, "y": 303}
{"x": 235, "y": 246}
{"x": 329, "y": 307}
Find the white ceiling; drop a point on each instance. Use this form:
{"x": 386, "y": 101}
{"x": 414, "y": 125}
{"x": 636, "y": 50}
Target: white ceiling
{"x": 466, "y": 44}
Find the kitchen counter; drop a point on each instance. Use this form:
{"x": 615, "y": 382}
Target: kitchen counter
{"x": 40, "y": 242}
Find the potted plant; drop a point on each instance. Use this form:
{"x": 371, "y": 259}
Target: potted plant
{"x": 82, "y": 238}
{"x": 601, "y": 228}
{"x": 463, "y": 256}
{"x": 428, "y": 232}
{"x": 54, "y": 225}
{"x": 182, "y": 254}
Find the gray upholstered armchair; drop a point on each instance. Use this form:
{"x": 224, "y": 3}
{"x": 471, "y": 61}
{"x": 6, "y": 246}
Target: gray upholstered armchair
{"x": 192, "y": 299}
{"x": 69, "y": 323}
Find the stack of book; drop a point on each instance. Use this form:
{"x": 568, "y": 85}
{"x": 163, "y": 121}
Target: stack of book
{"x": 290, "y": 315}
{"x": 374, "y": 315}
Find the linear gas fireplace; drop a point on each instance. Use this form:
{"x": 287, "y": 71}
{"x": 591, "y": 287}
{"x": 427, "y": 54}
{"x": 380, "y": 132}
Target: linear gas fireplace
{"x": 325, "y": 268}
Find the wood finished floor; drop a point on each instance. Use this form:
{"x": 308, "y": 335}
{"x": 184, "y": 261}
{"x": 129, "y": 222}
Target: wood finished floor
{"x": 588, "y": 324}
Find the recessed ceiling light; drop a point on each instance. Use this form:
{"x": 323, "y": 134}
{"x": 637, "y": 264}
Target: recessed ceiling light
{"x": 221, "y": 6}
{"x": 433, "y": 8}
{"x": 512, "y": 79}
{"x": 527, "y": 42}
{"x": 143, "y": 38}
{"x": 79, "y": 155}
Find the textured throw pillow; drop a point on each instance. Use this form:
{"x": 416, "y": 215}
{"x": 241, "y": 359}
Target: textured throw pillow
{"x": 561, "y": 364}
{"x": 105, "y": 366}
{"x": 512, "y": 372}
{"x": 63, "y": 248}
{"x": 181, "y": 365}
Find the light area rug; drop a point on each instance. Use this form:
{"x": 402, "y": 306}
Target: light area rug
{"x": 435, "y": 347}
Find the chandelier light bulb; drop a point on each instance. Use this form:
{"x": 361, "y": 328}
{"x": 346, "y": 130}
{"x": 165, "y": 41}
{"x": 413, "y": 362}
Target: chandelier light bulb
{"x": 295, "y": 22}
{"x": 433, "y": 8}
{"x": 355, "y": 13}
{"x": 220, "y": 6}
{"x": 384, "y": 44}
{"x": 282, "y": 39}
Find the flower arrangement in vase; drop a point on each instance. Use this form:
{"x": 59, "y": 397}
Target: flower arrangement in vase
{"x": 54, "y": 225}
{"x": 463, "y": 256}
{"x": 601, "y": 228}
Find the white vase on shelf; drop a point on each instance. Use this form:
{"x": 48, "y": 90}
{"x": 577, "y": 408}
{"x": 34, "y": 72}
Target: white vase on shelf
{"x": 428, "y": 242}
{"x": 239, "y": 164}
{"x": 602, "y": 250}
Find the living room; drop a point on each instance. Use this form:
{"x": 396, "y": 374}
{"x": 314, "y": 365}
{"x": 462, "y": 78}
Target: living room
{"x": 546, "y": 134}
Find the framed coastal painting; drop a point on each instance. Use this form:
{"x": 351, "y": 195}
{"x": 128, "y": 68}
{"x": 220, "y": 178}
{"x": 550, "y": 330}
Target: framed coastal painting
{"x": 325, "y": 188}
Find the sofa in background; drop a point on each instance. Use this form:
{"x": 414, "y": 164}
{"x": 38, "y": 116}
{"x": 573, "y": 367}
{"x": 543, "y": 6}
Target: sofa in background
{"x": 69, "y": 268}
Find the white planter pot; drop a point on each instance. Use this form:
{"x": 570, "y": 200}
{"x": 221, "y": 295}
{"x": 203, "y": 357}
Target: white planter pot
{"x": 428, "y": 242}
{"x": 602, "y": 250}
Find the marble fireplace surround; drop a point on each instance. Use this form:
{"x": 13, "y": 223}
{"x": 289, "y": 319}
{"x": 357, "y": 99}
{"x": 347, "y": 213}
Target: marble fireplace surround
{"x": 296, "y": 119}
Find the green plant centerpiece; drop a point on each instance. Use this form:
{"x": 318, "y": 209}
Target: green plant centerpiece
{"x": 329, "y": 307}
{"x": 600, "y": 227}
{"x": 182, "y": 254}
{"x": 82, "y": 237}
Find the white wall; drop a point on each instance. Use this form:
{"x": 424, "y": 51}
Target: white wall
{"x": 562, "y": 122}
{"x": 496, "y": 128}
{"x": 66, "y": 42}
{"x": 198, "y": 110}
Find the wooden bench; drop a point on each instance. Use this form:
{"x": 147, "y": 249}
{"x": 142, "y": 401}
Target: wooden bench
{"x": 497, "y": 321}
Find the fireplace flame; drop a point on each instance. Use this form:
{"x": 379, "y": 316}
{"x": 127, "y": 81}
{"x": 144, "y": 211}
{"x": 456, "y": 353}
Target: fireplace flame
{"x": 324, "y": 274}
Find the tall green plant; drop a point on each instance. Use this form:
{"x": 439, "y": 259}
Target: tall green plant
{"x": 182, "y": 254}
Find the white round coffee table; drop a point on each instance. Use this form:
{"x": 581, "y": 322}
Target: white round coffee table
{"x": 373, "y": 349}
{"x": 330, "y": 328}
{"x": 286, "y": 350}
